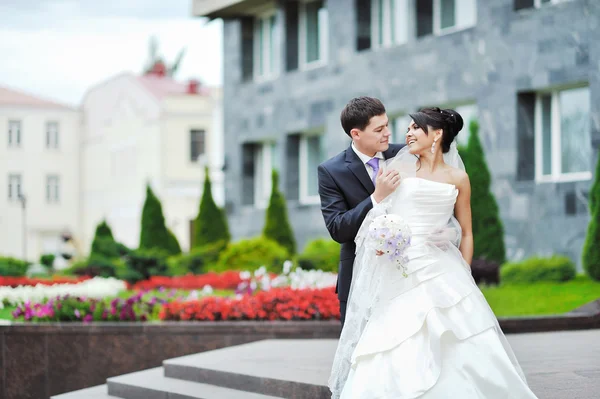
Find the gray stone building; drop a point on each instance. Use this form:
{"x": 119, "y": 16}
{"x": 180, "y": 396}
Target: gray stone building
{"x": 528, "y": 70}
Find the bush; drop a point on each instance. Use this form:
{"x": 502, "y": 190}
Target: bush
{"x": 197, "y": 261}
{"x": 277, "y": 224}
{"x": 488, "y": 233}
{"x": 154, "y": 234}
{"x": 532, "y": 270}
{"x": 95, "y": 266}
{"x": 13, "y": 267}
{"x": 104, "y": 244}
{"x": 320, "y": 254}
{"x": 252, "y": 254}
{"x": 591, "y": 247}
{"x": 485, "y": 271}
{"x": 211, "y": 223}
{"x": 142, "y": 264}
{"x": 173, "y": 245}
{"x": 47, "y": 260}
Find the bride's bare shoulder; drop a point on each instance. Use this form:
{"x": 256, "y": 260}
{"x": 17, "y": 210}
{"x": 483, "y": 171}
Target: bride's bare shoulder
{"x": 458, "y": 177}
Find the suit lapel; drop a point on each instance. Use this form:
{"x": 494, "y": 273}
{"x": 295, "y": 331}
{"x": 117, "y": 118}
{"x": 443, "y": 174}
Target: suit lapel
{"x": 359, "y": 170}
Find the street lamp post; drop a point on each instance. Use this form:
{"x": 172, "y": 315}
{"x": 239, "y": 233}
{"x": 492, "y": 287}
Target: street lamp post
{"x": 24, "y": 226}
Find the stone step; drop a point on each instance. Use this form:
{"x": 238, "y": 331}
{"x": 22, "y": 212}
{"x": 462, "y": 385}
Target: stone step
{"x": 97, "y": 392}
{"x": 285, "y": 367}
{"x": 152, "y": 384}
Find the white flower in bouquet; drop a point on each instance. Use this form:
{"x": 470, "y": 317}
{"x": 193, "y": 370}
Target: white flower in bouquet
{"x": 390, "y": 236}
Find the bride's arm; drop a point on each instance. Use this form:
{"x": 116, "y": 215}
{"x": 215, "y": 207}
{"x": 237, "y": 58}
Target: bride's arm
{"x": 462, "y": 212}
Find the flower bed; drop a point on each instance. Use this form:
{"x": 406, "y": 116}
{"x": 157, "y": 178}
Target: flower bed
{"x": 276, "y": 304}
{"x": 97, "y": 287}
{"x": 222, "y": 281}
{"x": 26, "y": 281}
{"x": 68, "y": 308}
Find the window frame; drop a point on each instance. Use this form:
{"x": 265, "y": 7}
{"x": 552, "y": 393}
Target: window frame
{"x": 263, "y": 162}
{"x": 52, "y": 137}
{"x": 556, "y": 175}
{"x": 390, "y": 32}
{"x": 12, "y": 143}
{"x": 202, "y": 154}
{"x": 19, "y": 186}
{"x": 52, "y": 190}
{"x": 323, "y": 37}
{"x": 272, "y": 53}
{"x": 304, "y": 197}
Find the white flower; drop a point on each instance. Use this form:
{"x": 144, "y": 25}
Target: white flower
{"x": 287, "y": 266}
{"x": 97, "y": 287}
{"x": 261, "y": 271}
{"x": 207, "y": 290}
{"x": 245, "y": 275}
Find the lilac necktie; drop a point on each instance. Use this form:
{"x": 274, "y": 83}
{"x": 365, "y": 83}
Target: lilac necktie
{"x": 374, "y": 163}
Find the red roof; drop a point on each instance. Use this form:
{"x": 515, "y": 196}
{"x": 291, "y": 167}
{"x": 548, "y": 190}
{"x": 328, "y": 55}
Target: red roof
{"x": 163, "y": 86}
{"x": 17, "y": 98}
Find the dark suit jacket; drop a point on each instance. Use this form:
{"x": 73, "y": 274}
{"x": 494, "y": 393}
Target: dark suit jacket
{"x": 345, "y": 189}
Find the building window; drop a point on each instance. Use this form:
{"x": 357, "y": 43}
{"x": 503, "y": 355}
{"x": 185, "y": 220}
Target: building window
{"x": 311, "y": 155}
{"x": 197, "y": 144}
{"x": 265, "y": 42}
{"x": 52, "y": 189}
{"x": 52, "y": 135}
{"x": 443, "y": 16}
{"x": 389, "y": 22}
{"x": 398, "y": 127}
{"x": 14, "y": 133}
{"x": 522, "y": 4}
{"x": 563, "y": 145}
{"x": 313, "y": 32}
{"x": 14, "y": 187}
{"x": 263, "y": 169}
{"x": 468, "y": 112}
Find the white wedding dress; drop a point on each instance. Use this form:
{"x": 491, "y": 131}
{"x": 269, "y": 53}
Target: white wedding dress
{"x": 430, "y": 334}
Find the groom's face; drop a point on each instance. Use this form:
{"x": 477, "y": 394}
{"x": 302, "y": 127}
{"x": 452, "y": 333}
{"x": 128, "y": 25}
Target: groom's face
{"x": 375, "y": 137}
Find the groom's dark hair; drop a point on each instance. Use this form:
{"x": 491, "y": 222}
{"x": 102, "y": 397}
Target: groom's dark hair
{"x": 359, "y": 111}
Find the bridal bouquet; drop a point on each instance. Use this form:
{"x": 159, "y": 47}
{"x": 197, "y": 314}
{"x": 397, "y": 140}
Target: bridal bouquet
{"x": 389, "y": 236}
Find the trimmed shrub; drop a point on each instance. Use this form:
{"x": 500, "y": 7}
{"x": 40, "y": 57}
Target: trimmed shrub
{"x": 488, "y": 233}
{"x": 104, "y": 244}
{"x": 211, "y": 223}
{"x": 197, "y": 261}
{"x": 591, "y": 247}
{"x": 154, "y": 234}
{"x": 13, "y": 267}
{"x": 47, "y": 260}
{"x": 142, "y": 264}
{"x": 277, "y": 225}
{"x": 320, "y": 254}
{"x": 95, "y": 265}
{"x": 536, "y": 269}
{"x": 252, "y": 254}
{"x": 173, "y": 245}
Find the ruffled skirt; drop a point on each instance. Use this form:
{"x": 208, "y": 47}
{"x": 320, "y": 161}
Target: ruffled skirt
{"x": 433, "y": 335}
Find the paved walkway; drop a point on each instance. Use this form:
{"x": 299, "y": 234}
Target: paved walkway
{"x": 560, "y": 365}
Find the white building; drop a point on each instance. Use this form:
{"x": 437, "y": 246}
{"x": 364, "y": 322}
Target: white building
{"x": 39, "y": 160}
{"x": 148, "y": 129}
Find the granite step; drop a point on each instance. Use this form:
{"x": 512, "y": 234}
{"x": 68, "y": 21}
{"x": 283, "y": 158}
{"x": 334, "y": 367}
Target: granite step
{"x": 97, "y": 392}
{"x": 284, "y": 367}
{"x": 152, "y": 384}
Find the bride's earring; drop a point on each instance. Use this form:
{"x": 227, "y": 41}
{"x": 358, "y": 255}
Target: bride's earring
{"x": 433, "y": 147}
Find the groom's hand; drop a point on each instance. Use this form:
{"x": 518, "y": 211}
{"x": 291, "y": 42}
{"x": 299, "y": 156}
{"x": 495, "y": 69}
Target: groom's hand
{"x": 385, "y": 184}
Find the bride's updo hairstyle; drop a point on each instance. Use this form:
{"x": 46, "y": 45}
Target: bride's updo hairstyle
{"x": 448, "y": 120}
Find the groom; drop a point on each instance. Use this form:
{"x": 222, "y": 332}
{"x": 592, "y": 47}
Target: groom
{"x": 353, "y": 181}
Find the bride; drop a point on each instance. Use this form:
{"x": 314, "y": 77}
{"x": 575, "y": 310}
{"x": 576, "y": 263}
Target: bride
{"x": 422, "y": 328}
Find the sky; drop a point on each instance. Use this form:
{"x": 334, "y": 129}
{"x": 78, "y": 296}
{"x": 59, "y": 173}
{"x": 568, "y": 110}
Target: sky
{"x": 58, "y": 49}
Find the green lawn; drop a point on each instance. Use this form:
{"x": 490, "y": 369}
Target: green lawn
{"x": 541, "y": 298}
{"x": 5, "y": 313}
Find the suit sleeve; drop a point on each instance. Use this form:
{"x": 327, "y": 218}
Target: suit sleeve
{"x": 341, "y": 222}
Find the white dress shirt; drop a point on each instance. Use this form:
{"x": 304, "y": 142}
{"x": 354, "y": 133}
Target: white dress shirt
{"x": 365, "y": 158}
